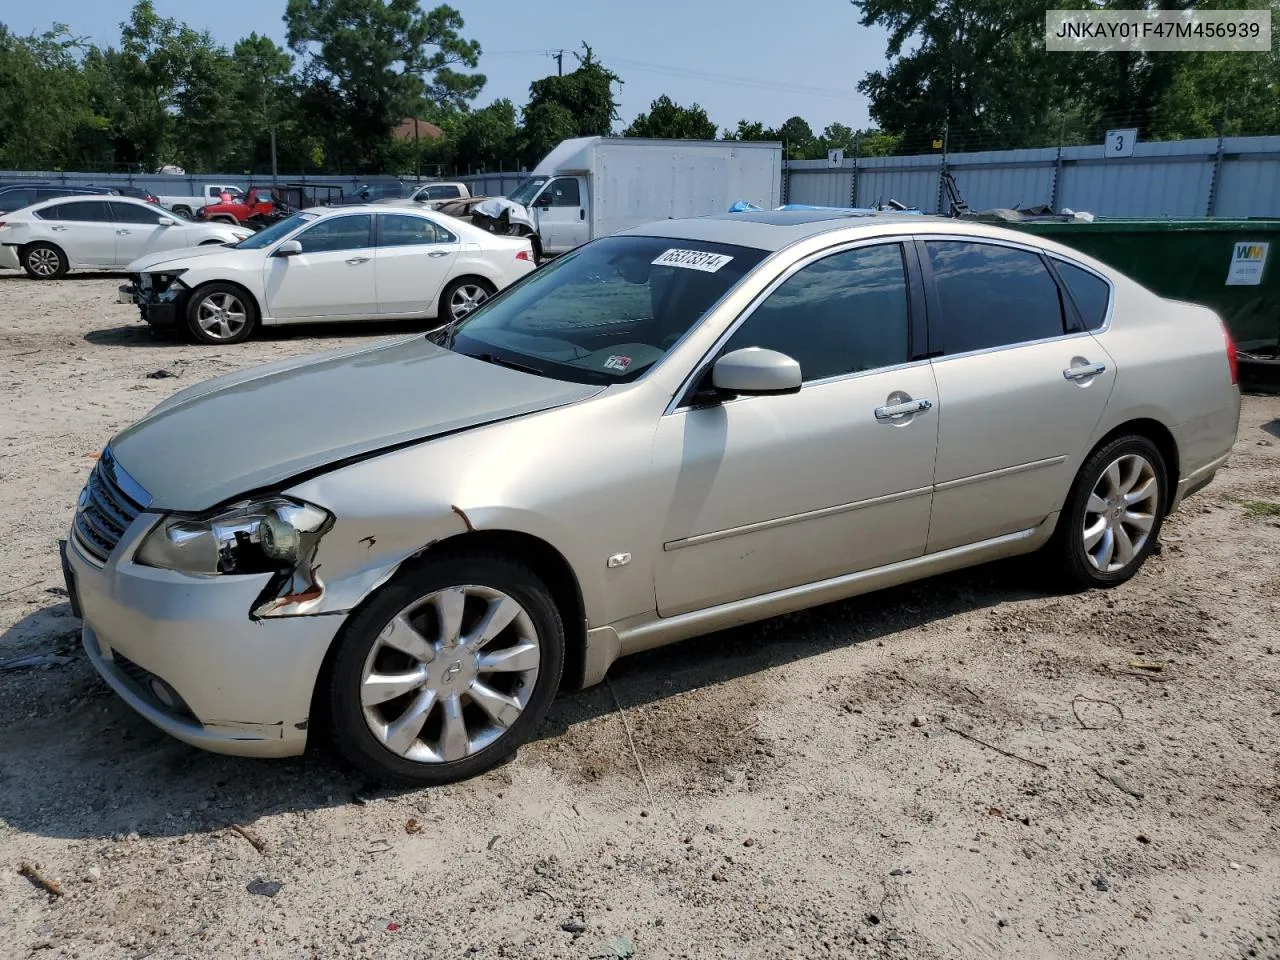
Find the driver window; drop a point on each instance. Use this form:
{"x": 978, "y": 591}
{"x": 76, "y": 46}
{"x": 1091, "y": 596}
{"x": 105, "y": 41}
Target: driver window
{"x": 337, "y": 233}
{"x": 564, "y": 192}
{"x": 843, "y": 314}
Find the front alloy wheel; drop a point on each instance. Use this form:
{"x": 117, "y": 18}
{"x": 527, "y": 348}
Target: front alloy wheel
{"x": 446, "y": 671}
{"x": 220, "y": 313}
{"x": 450, "y": 674}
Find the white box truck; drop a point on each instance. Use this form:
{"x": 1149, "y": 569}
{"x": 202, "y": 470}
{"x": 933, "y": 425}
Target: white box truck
{"x": 591, "y": 187}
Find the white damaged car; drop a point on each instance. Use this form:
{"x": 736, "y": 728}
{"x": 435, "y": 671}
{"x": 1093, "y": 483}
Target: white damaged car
{"x": 340, "y": 264}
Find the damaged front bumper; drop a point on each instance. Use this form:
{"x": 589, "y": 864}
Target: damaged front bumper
{"x": 185, "y": 652}
{"x": 160, "y": 298}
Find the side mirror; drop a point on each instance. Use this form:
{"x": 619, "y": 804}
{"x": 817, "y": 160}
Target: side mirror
{"x": 167, "y": 222}
{"x": 290, "y": 248}
{"x": 754, "y": 371}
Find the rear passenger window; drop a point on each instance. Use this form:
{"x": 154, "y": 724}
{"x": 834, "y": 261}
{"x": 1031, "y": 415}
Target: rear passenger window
{"x": 842, "y": 314}
{"x": 1092, "y": 294}
{"x": 993, "y": 296}
{"x": 84, "y": 211}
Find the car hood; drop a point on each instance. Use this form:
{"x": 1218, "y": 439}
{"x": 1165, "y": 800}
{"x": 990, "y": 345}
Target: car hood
{"x": 170, "y": 259}
{"x": 263, "y": 426}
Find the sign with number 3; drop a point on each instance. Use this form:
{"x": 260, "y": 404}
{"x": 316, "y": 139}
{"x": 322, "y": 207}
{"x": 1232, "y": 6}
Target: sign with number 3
{"x": 1120, "y": 143}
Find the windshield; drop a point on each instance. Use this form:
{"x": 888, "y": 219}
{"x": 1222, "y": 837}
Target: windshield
{"x": 606, "y": 312}
{"x": 525, "y": 193}
{"x": 277, "y": 231}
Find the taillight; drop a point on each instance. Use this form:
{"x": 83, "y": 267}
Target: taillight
{"x": 1233, "y": 360}
{"x": 525, "y": 255}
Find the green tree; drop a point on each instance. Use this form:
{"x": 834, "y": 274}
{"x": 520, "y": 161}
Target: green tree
{"x": 488, "y": 137}
{"x": 797, "y": 136}
{"x": 750, "y": 130}
{"x": 669, "y": 120}
{"x": 375, "y": 61}
{"x": 44, "y": 99}
{"x": 578, "y": 104}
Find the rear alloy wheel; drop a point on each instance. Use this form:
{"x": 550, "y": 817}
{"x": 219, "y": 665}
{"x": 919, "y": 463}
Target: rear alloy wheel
{"x": 221, "y": 313}
{"x": 44, "y": 261}
{"x": 1112, "y": 519}
{"x": 447, "y": 671}
{"x": 462, "y": 297}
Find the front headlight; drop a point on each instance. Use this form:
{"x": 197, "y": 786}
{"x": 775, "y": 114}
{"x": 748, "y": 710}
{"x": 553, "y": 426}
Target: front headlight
{"x": 274, "y": 535}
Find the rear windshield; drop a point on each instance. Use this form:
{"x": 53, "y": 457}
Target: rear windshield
{"x": 606, "y": 312}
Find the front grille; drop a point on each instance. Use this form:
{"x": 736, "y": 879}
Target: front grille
{"x": 105, "y": 510}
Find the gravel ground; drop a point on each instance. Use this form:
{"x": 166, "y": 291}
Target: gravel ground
{"x": 967, "y": 767}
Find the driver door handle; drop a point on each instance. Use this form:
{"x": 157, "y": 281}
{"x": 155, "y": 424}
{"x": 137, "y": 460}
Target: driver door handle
{"x": 1084, "y": 372}
{"x": 896, "y": 410}
{"x": 355, "y": 261}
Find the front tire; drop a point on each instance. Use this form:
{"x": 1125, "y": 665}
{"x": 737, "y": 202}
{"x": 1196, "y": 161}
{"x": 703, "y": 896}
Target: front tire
{"x": 447, "y": 671}
{"x": 44, "y": 261}
{"x": 1113, "y": 515}
{"x": 462, "y": 297}
{"x": 221, "y": 313}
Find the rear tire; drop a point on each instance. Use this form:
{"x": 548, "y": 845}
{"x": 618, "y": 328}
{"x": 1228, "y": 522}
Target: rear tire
{"x": 467, "y": 706}
{"x": 1111, "y": 521}
{"x": 183, "y": 209}
{"x": 462, "y": 296}
{"x": 44, "y": 261}
{"x": 221, "y": 313}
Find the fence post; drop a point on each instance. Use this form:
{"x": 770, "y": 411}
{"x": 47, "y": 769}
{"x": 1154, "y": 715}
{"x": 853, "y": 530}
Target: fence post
{"x": 1213, "y": 180}
{"x": 1057, "y": 182}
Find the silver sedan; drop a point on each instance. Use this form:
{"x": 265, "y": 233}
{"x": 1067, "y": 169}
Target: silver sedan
{"x": 687, "y": 426}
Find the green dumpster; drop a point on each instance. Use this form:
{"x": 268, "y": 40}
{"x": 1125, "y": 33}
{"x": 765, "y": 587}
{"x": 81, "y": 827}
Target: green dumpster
{"x": 1227, "y": 265}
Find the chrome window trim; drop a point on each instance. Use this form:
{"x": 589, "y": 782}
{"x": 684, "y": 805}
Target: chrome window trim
{"x": 415, "y": 215}
{"x": 901, "y": 240}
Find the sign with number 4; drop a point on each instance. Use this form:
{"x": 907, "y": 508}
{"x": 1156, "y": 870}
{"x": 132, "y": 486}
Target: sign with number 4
{"x": 1120, "y": 143}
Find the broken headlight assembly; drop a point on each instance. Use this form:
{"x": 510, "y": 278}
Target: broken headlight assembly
{"x": 274, "y": 535}
{"x": 161, "y": 287}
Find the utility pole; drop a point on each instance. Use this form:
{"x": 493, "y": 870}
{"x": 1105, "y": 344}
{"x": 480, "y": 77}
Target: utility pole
{"x": 559, "y": 59}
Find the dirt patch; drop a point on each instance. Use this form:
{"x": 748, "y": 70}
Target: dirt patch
{"x": 967, "y": 767}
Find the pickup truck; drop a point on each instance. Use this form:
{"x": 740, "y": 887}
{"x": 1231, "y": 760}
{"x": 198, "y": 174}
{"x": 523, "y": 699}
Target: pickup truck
{"x": 432, "y": 196}
{"x": 188, "y": 204}
{"x": 240, "y": 208}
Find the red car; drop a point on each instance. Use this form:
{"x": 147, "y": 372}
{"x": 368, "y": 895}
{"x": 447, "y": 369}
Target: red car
{"x": 257, "y": 202}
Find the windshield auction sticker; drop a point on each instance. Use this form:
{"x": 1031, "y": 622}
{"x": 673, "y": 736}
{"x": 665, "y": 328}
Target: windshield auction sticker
{"x": 1247, "y": 263}
{"x": 692, "y": 260}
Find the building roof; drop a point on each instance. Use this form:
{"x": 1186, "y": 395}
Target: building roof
{"x": 425, "y": 131}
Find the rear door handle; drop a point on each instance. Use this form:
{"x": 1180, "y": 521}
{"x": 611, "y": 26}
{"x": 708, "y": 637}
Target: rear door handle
{"x": 438, "y": 253}
{"x": 122, "y": 233}
{"x": 1084, "y": 372}
{"x": 59, "y": 229}
{"x": 897, "y": 410}
{"x": 355, "y": 261}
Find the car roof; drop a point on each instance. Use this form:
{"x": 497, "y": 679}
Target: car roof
{"x": 773, "y": 230}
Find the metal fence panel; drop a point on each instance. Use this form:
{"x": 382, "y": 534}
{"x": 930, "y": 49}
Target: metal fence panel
{"x": 1249, "y": 181}
{"x": 1004, "y": 178}
{"x": 819, "y": 183}
{"x": 909, "y": 180}
{"x": 1159, "y": 180}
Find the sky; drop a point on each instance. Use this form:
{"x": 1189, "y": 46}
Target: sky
{"x": 740, "y": 59}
